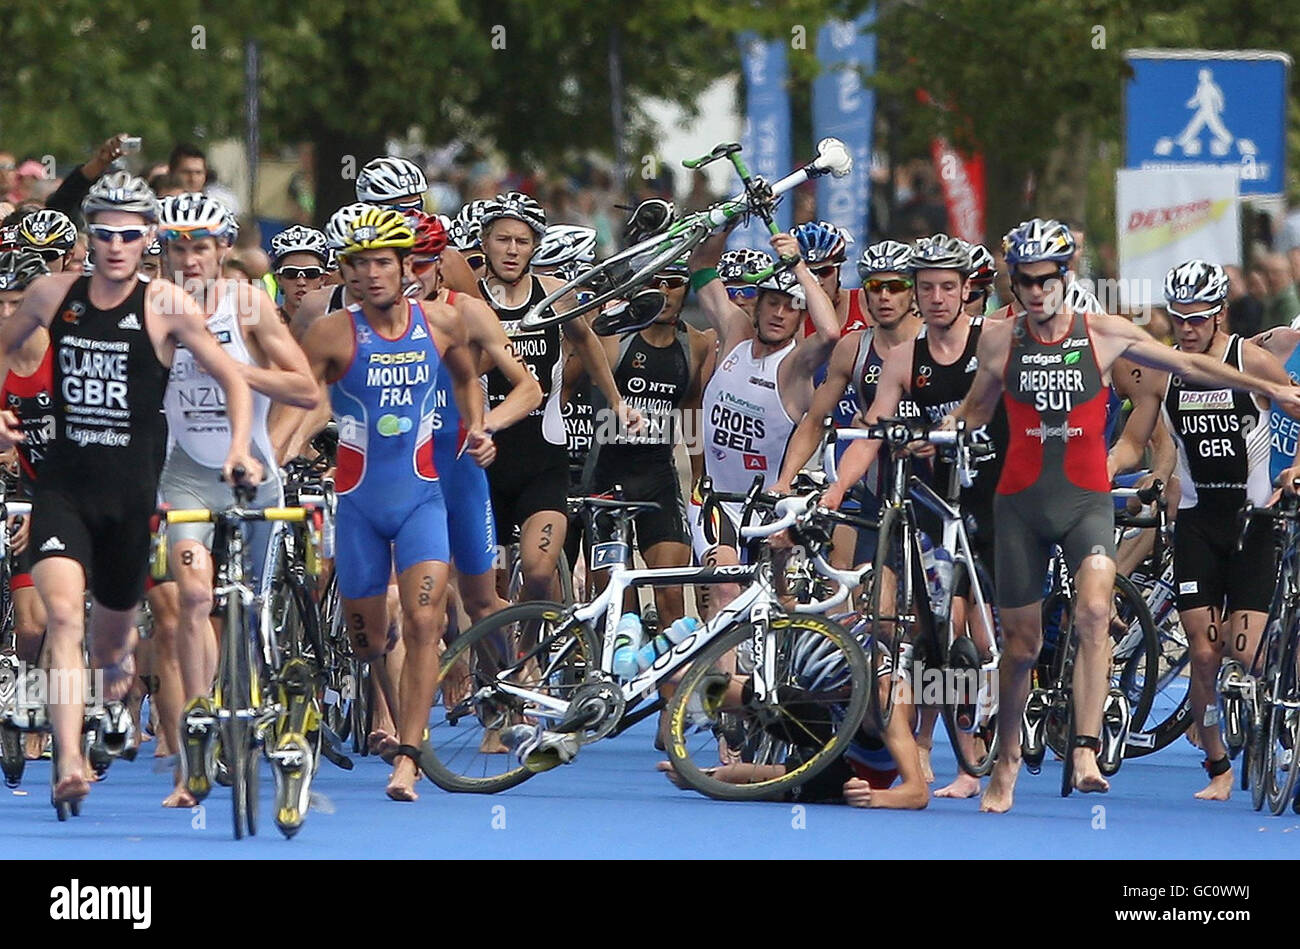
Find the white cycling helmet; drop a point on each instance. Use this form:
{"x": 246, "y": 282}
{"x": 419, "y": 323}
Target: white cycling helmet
{"x": 736, "y": 265}
{"x": 784, "y": 281}
{"x": 565, "y": 242}
{"x": 193, "y": 215}
{"x": 516, "y": 205}
{"x": 941, "y": 252}
{"x": 338, "y": 229}
{"x": 885, "y": 257}
{"x": 465, "y": 231}
{"x": 1196, "y": 281}
{"x": 121, "y": 191}
{"x": 299, "y": 240}
{"x": 389, "y": 178}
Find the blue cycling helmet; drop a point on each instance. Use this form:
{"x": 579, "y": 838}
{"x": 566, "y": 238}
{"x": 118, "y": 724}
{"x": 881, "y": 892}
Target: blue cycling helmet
{"x": 822, "y": 242}
{"x": 1037, "y": 240}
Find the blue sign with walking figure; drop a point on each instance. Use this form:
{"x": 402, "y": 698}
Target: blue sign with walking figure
{"x": 1199, "y": 108}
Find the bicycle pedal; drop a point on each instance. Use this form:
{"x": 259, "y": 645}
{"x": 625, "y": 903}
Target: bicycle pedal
{"x": 198, "y": 748}
{"x": 291, "y": 769}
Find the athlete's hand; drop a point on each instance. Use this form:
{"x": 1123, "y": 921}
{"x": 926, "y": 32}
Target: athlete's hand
{"x": 630, "y": 419}
{"x": 20, "y": 529}
{"x": 11, "y": 432}
{"x": 1286, "y": 398}
{"x": 857, "y": 793}
{"x": 1133, "y": 505}
{"x": 833, "y": 497}
{"x": 786, "y": 245}
{"x": 780, "y": 487}
{"x": 242, "y": 459}
{"x": 1289, "y": 478}
{"x": 480, "y": 446}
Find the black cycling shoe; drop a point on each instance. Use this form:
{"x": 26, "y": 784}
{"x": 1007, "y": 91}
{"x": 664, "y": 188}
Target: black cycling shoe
{"x": 964, "y": 657}
{"x": 1115, "y": 719}
{"x": 1034, "y": 745}
{"x": 629, "y": 316}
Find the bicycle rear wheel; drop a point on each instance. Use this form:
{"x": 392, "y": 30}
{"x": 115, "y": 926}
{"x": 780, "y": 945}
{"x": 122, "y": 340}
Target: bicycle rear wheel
{"x": 1282, "y": 731}
{"x": 561, "y": 586}
{"x": 889, "y": 644}
{"x": 957, "y": 690}
{"x": 816, "y": 706}
{"x": 531, "y": 645}
{"x": 237, "y": 699}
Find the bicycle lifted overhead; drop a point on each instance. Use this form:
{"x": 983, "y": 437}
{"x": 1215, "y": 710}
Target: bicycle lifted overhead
{"x": 627, "y": 271}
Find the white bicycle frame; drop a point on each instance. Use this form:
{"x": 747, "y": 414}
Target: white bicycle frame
{"x": 754, "y": 605}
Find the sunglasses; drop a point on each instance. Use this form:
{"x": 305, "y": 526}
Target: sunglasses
{"x": 48, "y": 255}
{"x": 1025, "y": 281}
{"x": 1197, "y": 318}
{"x": 742, "y": 293}
{"x": 894, "y": 285}
{"x": 422, "y": 265}
{"x": 106, "y": 232}
{"x": 825, "y": 270}
{"x": 475, "y": 260}
{"x": 300, "y": 273}
{"x": 189, "y": 233}
{"x": 670, "y": 282}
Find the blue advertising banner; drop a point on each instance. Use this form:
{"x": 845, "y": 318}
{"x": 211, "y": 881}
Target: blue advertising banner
{"x": 844, "y": 109}
{"x": 766, "y": 139}
{"x": 1209, "y": 108}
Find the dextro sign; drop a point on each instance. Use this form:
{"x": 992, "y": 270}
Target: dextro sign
{"x": 1178, "y": 217}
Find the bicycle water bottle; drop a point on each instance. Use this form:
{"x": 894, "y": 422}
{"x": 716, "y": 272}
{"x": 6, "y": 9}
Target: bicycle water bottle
{"x": 943, "y": 570}
{"x": 681, "y": 628}
{"x": 627, "y": 640}
{"x": 930, "y": 566}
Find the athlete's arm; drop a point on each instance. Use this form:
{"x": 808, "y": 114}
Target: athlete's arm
{"x": 704, "y": 347}
{"x": 730, "y": 322}
{"x": 986, "y": 388}
{"x": 861, "y": 454}
{"x": 287, "y": 378}
{"x": 485, "y": 331}
{"x": 808, "y": 434}
{"x": 187, "y": 327}
{"x": 1124, "y": 339}
{"x": 312, "y": 308}
{"x": 468, "y": 392}
{"x": 36, "y": 311}
{"x": 1281, "y": 341}
{"x": 456, "y": 273}
{"x": 1144, "y": 391}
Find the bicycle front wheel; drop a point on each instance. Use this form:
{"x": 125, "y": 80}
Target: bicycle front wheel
{"x": 1282, "y": 730}
{"x": 530, "y": 645}
{"x": 615, "y": 278}
{"x": 812, "y": 711}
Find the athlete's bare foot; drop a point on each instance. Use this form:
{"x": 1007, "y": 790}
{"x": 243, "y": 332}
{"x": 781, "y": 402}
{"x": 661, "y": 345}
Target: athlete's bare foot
{"x": 962, "y": 786}
{"x": 1001, "y": 792}
{"x": 1219, "y": 788}
{"x": 456, "y": 684}
{"x": 1087, "y": 777}
{"x": 34, "y": 745}
{"x": 180, "y": 797}
{"x": 669, "y": 772}
{"x": 401, "y": 784}
{"x": 927, "y": 772}
{"x": 118, "y": 678}
{"x": 905, "y": 797}
{"x": 491, "y": 743}
{"x": 382, "y": 744}
{"x": 71, "y": 787}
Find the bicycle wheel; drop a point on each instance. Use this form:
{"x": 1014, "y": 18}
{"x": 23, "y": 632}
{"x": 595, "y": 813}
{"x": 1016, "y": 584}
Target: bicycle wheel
{"x": 530, "y": 645}
{"x": 563, "y": 582}
{"x": 1282, "y": 734}
{"x": 616, "y": 277}
{"x": 817, "y": 704}
{"x": 978, "y": 761}
{"x": 236, "y": 699}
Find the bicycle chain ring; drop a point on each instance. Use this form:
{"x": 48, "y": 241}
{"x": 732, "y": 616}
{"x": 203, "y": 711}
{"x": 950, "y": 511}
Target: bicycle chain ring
{"x": 605, "y": 700}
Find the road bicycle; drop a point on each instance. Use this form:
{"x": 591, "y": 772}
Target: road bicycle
{"x": 249, "y": 697}
{"x": 543, "y": 664}
{"x": 619, "y": 276}
{"x": 912, "y": 632}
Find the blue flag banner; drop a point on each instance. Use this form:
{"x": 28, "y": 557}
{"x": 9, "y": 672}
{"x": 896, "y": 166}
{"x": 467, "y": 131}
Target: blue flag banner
{"x": 766, "y": 139}
{"x": 843, "y": 108}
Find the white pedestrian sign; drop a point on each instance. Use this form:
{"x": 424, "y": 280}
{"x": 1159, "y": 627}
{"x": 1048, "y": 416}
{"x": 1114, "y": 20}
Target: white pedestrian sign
{"x": 1209, "y": 104}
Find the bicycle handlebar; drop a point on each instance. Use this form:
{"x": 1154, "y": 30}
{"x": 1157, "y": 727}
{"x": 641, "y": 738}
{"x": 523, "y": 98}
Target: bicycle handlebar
{"x": 203, "y": 515}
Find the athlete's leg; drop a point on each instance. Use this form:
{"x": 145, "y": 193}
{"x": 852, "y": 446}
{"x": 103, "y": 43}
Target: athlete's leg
{"x": 1022, "y": 636}
{"x": 1094, "y": 598}
{"x": 196, "y": 639}
{"x": 29, "y": 624}
{"x": 168, "y": 694}
{"x": 670, "y": 601}
{"x": 541, "y": 539}
{"x": 423, "y": 590}
{"x": 61, "y": 583}
{"x": 1205, "y": 640}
